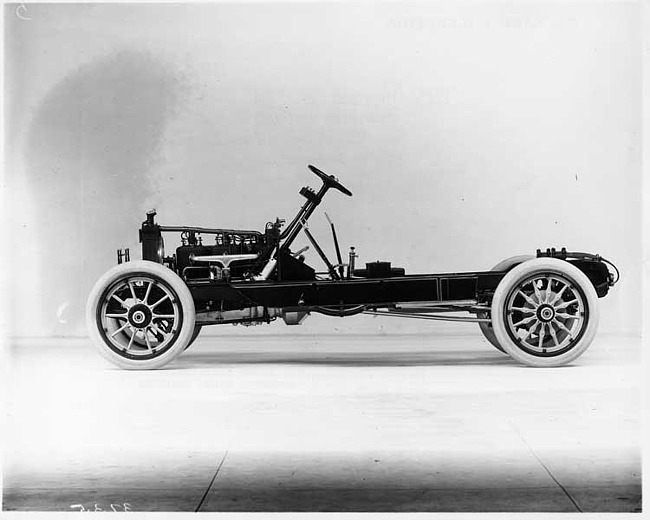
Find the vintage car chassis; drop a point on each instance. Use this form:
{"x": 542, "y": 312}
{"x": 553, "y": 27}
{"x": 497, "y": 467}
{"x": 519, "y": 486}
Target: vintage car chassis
{"x": 541, "y": 310}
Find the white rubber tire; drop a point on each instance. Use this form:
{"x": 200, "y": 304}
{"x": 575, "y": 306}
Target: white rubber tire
{"x": 163, "y": 276}
{"x": 541, "y": 267}
{"x": 486, "y": 328}
{"x": 195, "y": 334}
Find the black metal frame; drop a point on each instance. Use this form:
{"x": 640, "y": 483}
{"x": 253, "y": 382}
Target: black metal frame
{"x": 372, "y": 293}
{"x": 295, "y": 287}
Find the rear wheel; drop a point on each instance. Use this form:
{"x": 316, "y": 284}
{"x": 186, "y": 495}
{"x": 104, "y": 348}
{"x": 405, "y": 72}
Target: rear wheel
{"x": 486, "y": 328}
{"x": 545, "y": 312}
{"x": 140, "y": 315}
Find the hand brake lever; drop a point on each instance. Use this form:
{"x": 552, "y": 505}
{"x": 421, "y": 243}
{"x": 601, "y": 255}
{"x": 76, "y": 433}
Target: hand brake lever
{"x": 336, "y": 245}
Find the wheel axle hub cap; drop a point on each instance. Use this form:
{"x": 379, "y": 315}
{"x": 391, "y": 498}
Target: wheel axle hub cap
{"x": 139, "y": 316}
{"x": 545, "y": 313}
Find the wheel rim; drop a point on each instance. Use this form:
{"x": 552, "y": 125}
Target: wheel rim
{"x": 140, "y": 317}
{"x": 546, "y": 314}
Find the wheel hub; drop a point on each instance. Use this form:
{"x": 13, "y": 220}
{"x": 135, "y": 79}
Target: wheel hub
{"x": 545, "y": 313}
{"x": 139, "y": 316}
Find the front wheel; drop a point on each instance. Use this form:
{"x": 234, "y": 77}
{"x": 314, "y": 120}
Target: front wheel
{"x": 139, "y": 339}
{"x": 140, "y": 315}
{"x": 545, "y": 312}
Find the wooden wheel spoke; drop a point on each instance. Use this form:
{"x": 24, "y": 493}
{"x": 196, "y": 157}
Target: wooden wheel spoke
{"x": 527, "y": 310}
{"x": 121, "y": 301}
{"x": 131, "y": 341}
{"x": 549, "y": 290}
{"x": 135, "y": 298}
{"x": 564, "y": 305}
{"x": 527, "y": 298}
{"x": 146, "y": 294}
{"x": 152, "y": 307}
{"x": 146, "y": 340}
{"x": 553, "y": 334}
{"x": 562, "y": 326}
{"x": 559, "y": 294}
{"x": 524, "y": 321}
{"x": 538, "y": 293}
{"x": 120, "y": 329}
{"x": 531, "y": 330}
{"x": 542, "y": 334}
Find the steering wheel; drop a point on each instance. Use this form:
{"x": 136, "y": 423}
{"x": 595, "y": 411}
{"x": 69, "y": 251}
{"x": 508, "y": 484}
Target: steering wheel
{"x": 330, "y": 180}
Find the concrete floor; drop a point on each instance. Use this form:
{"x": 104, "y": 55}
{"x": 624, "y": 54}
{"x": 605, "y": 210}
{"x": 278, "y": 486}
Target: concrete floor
{"x": 323, "y": 423}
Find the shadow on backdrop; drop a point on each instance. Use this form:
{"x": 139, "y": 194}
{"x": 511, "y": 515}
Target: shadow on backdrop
{"x": 91, "y": 147}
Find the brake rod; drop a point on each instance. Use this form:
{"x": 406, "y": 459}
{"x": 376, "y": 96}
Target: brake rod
{"x": 429, "y": 316}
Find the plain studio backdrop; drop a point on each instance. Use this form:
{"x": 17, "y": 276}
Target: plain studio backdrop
{"x": 468, "y": 133}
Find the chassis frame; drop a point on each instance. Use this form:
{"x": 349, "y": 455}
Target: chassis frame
{"x": 249, "y": 277}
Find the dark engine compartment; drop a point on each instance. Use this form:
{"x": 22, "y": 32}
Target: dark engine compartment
{"x": 226, "y": 242}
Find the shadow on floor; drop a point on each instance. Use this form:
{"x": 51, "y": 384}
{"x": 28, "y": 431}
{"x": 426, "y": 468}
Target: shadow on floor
{"x": 352, "y": 359}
